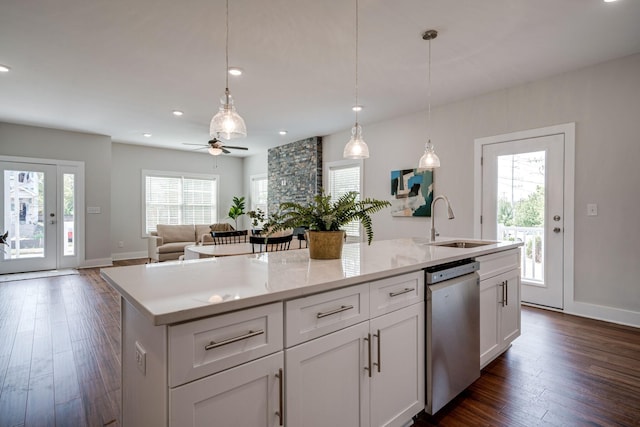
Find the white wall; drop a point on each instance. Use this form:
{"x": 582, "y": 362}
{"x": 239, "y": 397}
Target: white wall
{"x": 603, "y": 101}
{"x": 128, "y": 161}
{"x": 94, "y": 151}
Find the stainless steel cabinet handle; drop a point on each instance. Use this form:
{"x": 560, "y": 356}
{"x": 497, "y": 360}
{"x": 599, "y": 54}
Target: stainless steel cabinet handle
{"x": 404, "y": 291}
{"x": 280, "y": 412}
{"x": 506, "y": 292}
{"x": 379, "y": 362}
{"x": 368, "y": 367}
{"x": 249, "y": 334}
{"x": 336, "y": 311}
{"x": 502, "y": 289}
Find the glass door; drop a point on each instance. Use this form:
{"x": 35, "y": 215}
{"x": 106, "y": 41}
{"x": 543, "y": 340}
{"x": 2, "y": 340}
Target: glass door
{"x": 29, "y": 216}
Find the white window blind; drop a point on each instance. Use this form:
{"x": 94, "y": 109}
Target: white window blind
{"x": 178, "y": 199}
{"x": 343, "y": 179}
{"x": 259, "y": 193}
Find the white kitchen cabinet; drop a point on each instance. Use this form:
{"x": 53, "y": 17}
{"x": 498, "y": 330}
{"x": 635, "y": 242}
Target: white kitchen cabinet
{"x": 369, "y": 374}
{"x": 397, "y": 379}
{"x": 248, "y": 395}
{"x": 499, "y": 303}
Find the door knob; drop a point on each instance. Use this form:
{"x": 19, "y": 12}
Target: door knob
{"x": 556, "y": 217}
{"x": 557, "y": 229}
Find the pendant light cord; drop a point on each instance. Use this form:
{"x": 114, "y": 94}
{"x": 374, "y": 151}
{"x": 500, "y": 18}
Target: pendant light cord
{"x": 226, "y": 54}
{"x": 429, "y": 94}
{"x": 357, "y": 20}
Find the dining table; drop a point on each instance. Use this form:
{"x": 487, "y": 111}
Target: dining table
{"x": 209, "y": 251}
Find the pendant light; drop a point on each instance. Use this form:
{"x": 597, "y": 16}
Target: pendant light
{"x": 429, "y": 159}
{"x": 356, "y": 148}
{"x": 227, "y": 123}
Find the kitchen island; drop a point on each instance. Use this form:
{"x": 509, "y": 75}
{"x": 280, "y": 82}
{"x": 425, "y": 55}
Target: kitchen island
{"x": 239, "y": 337}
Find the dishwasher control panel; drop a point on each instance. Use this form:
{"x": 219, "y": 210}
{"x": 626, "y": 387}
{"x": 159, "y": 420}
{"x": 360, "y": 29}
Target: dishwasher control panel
{"x": 447, "y": 271}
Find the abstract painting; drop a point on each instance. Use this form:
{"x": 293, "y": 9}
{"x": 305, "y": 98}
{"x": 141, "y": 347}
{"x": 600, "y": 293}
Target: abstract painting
{"x": 413, "y": 191}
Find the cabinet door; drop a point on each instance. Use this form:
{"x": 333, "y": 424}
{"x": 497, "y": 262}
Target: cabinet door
{"x": 490, "y": 301}
{"x": 398, "y": 380}
{"x": 247, "y": 395}
{"x": 326, "y": 383}
{"x": 510, "y": 313}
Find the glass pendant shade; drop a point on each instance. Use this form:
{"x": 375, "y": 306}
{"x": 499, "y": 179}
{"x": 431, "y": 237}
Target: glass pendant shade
{"x": 227, "y": 123}
{"x": 356, "y": 148}
{"x": 429, "y": 159}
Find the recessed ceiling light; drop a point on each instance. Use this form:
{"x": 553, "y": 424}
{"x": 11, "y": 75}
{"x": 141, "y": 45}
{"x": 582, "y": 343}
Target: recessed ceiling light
{"x": 283, "y": 132}
{"x": 357, "y": 108}
{"x": 609, "y": 1}
{"x": 235, "y": 71}
{"x": 146, "y": 135}
{"x": 177, "y": 113}
{"x": 4, "y": 69}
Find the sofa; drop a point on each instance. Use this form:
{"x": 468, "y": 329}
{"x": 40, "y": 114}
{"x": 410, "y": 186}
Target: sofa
{"x": 169, "y": 241}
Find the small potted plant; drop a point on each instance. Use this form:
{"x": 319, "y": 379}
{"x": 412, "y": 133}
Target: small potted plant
{"x": 257, "y": 219}
{"x": 237, "y": 209}
{"x": 324, "y": 219}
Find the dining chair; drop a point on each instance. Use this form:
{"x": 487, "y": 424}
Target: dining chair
{"x": 270, "y": 244}
{"x": 227, "y": 237}
{"x": 299, "y": 232}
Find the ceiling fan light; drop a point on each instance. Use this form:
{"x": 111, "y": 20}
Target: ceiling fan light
{"x": 429, "y": 159}
{"x": 356, "y": 148}
{"x": 215, "y": 151}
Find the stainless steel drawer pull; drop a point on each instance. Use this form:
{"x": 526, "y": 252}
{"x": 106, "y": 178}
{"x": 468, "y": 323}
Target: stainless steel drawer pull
{"x": 336, "y": 311}
{"x": 404, "y": 291}
{"x": 249, "y": 334}
{"x": 280, "y": 412}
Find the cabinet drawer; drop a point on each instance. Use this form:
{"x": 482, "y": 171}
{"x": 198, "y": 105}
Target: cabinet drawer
{"x": 320, "y": 314}
{"x": 497, "y": 263}
{"x": 390, "y": 294}
{"x": 206, "y": 346}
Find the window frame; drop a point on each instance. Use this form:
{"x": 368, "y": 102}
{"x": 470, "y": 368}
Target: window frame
{"x": 252, "y": 202}
{"x": 329, "y": 168}
{"x": 173, "y": 174}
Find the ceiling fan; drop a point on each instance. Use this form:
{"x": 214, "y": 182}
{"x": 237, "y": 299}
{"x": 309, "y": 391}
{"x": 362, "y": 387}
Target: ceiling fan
{"x": 217, "y": 147}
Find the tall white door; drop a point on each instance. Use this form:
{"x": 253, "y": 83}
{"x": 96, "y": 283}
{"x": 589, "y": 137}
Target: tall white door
{"x": 39, "y": 205}
{"x": 522, "y": 200}
{"x": 30, "y": 216}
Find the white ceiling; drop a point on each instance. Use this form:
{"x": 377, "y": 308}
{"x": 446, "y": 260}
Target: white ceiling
{"x": 119, "y": 67}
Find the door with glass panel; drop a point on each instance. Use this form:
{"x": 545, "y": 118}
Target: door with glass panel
{"x": 522, "y": 200}
{"x": 29, "y": 216}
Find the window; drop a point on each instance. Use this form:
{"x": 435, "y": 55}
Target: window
{"x": 343, "y": 177}
{"x": 259, "y": 191}
{"x": 175, "y": 198}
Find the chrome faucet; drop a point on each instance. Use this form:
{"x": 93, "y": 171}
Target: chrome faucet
{"x": 433, "y": 214}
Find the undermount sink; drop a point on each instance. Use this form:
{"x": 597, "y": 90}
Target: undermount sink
{"x": 463, "y": 244}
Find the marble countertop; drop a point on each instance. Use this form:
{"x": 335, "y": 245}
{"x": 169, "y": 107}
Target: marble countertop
{"x": 173, "y": 292}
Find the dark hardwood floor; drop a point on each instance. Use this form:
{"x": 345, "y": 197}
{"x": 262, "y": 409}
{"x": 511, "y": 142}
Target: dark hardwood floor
{"x": 60, "y": 365}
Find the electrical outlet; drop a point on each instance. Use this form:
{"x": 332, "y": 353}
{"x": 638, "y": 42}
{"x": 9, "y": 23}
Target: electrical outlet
{"x": 141, "y": 358}
{"x": 592, "y": 209}
{"x": 121, "y": 244}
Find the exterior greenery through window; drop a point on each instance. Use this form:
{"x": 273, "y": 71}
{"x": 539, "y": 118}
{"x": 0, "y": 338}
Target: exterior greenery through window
{"x": 176, "y": 198}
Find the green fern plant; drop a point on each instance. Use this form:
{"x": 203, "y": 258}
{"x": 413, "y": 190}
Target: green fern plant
{"x": 322, "y": 214}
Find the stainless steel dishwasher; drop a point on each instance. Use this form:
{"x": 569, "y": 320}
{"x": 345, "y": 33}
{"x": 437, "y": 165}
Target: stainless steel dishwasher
{"x": 452, "y": 331}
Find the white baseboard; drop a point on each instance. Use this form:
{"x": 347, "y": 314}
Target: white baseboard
{"x": 608, "y": 314}
{"x": 129, "y": 255}
{"x": 97, "y": 262}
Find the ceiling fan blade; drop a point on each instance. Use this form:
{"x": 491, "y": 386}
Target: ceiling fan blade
{"x": 235, "y": 148}
{"x": 225, "y": 151}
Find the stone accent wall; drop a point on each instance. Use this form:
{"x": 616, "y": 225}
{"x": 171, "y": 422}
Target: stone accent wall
{"x": 294, "y": 172}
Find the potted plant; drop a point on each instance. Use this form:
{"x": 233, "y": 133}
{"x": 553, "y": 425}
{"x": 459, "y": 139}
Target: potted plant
{"x": 237, "y": 209}
{"x": 324, "y": 219}
{"x": 257, "y": 219}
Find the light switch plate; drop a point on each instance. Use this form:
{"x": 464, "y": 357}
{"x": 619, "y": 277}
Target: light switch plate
{"x": 93, "y": 209}
{"x": 592, "y": 209}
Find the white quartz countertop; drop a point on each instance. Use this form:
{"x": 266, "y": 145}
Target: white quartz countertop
{"x": 173, "y": 292}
